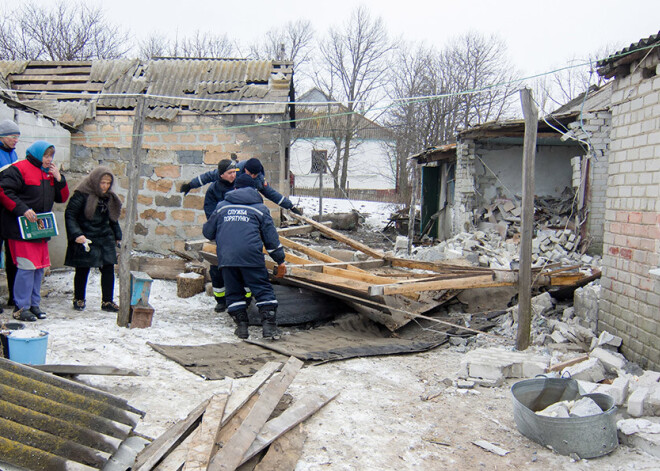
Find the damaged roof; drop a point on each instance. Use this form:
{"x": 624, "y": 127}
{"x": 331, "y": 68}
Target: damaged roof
{"x": 618, "y": 64}
{"x": 73, "y": 91}
{"x": 515, "y": 128}
{"x": 50, "y": 423}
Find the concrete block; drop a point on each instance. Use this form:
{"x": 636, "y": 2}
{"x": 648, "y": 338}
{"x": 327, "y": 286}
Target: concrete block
{"x": 606, "y": 338}
{"x": 587, "y": 387}
{"x": 636, "y": 402}
{"x": 558, "y": 410}
{"x": 618, "y": 390}
{"x": 497, "y": 364}
{"x": 612, "y": 361}
{"x": 649, "y": 379}
{"x": 585, "y": 407}
{"x": 643, "y": 441}
{"x": 589, "y": 370}
{"x": 652, "y": 403}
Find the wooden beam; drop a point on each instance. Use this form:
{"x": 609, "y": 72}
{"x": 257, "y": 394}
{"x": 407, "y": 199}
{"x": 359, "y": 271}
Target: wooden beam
{"x": 49, "y": 78}
{"x": 86, "y": 370}
{"x": 338, "y": 282}
{"x": 299, "y": 230}
{"x": 434, "y": 266}
{"x": 55, "y": 70}
{"x": 340, "y": 237}
{"x": 312, "y": 253}
{"x": 352, "y": 275}
{"x": 229, "y": 457}
{"x": 83, "y": 87}
{"x": 479, "y": 281}
{"x": 133, "y": 170}
{"x": 530, "y": 114}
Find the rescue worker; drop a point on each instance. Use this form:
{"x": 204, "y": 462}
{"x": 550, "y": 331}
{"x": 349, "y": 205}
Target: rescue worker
{"x": 241, "y": 226}
{"x": 250, "y": 167}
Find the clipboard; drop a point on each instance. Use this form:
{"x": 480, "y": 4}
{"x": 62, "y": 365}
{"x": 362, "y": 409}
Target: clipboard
{"x": 46, "y": 226}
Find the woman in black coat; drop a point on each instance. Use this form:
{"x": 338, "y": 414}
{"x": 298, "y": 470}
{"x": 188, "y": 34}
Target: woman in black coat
{"x": 93, "y": 234}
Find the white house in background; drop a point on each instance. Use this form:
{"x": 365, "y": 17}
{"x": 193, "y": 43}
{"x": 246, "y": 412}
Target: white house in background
{"x": 370, "y": 165}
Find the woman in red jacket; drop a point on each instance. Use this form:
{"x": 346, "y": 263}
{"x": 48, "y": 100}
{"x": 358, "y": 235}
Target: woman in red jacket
{"x": 29, "y": 187}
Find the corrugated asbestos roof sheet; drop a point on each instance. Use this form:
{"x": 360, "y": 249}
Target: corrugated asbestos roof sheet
{"x": 615, "y": 64}
{"x": 228, "y": 85}
{"x": 50, "y": 423}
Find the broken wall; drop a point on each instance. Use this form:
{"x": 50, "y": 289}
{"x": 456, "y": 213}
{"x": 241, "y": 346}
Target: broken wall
{"x": 630, "y": 303}
{"x": 176, "y": 152}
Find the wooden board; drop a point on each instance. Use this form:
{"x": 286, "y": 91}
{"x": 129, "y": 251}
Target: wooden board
{"x": 86, "y": 370}
{"x": 203, "y": 445}
{"x": 284, "y": 453}
{"x": 230, "y": 456}
{"x": 159, "y": 268}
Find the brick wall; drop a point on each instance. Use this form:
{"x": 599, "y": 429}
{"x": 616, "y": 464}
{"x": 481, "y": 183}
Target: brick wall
{"x": 464, "y": 190}
{"x": 176, "y": 152}
{"x": 630, "y": 303}
{"x": 595, "y": 129}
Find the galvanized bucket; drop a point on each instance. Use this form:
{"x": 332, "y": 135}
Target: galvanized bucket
{"x": 587, "y": 437}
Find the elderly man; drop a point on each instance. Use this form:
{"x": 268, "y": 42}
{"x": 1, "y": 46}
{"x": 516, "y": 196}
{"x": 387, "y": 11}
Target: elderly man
{"x": 9, "y": 134}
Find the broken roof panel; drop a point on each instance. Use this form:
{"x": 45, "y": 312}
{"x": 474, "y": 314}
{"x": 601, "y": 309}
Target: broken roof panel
{"x": 617, "y": 63}
{"x": 49, "y": 423}
{"x": 174, "y": 84}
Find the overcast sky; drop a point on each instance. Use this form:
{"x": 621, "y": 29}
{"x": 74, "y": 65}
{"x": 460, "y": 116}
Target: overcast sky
{"x": 540, "y": 35}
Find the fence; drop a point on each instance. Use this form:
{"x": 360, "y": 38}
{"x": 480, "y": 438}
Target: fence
{"x": 381, "y": 196}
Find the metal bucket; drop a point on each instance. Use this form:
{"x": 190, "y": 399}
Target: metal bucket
{"x": 587, "y": 437}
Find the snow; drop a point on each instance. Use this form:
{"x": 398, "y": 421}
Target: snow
{"x": 376, "y": 214}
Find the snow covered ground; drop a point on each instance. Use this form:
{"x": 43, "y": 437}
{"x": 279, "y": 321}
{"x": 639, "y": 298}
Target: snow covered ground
{"x": 378, "y": 421}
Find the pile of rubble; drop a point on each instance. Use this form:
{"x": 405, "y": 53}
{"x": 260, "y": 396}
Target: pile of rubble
{"x": 487, "y": 248}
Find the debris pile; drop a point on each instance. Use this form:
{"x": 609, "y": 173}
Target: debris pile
{"x": 230, "y": 429}
{"x": 487, "y": 248}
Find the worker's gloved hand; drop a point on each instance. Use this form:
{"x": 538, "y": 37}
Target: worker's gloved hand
{"x": 185, "y": 188}
{"x": 279, "y": 271}
{"x": 296, "y": 210}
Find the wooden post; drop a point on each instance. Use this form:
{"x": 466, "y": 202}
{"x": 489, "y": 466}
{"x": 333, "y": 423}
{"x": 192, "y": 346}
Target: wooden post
{"x": 525, "y": 273}
{"x": 133, "y": 170}
{"x": 321, "y": 173}
{"x": 411, "y": 212}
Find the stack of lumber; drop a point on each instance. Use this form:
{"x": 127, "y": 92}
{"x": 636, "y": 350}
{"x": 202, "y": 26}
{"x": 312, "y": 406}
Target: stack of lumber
{"x": 230, "y": 429}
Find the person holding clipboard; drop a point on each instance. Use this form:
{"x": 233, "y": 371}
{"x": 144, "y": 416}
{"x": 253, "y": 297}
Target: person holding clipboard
{"x": 27, "y": 188}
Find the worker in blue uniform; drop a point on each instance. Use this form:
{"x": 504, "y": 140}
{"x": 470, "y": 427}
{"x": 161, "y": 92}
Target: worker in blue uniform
{"x": 241, "y": 226}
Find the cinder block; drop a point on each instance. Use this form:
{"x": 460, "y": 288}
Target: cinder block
{"x": 589, "y": 370}
{"x": 612, "y": 361}
{"x": 636, "y": 402}
{"x": 618, "y": 390}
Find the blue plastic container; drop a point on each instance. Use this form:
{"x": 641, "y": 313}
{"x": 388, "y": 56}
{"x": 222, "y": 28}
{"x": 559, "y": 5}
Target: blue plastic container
{"x": 30, "y": 351}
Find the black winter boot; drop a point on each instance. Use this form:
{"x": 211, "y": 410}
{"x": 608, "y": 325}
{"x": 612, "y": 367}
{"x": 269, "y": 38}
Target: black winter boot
{"x": 221, "y": 304}
{"x": 241, "y": 319}
{"x": 269, "y": 324}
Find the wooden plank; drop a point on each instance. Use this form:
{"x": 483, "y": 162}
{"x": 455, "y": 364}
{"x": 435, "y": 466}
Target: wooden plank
{"x": 55, "y": 70}
{"x": 86, "y": 370}
{"x": 164, "y": 444}
{"x": 299, "y": 230}
{"x": 203, "y": 446}
{"x": 297, "y": 413}
{"x": 285, "y": 452}
{"x": 159, "y": 268}
{"x": 340, "y": 237}
{"x": 177, "y": 458}
{"x": 230, "y": 456}
{"x": 567, "y": 363}
{"x": 479, "y": 281}
{"x": 335, "y": 281}
{"x": 352, "y": 275}
{"x": 83, "y": 87}
{"x": 364, "y": 265}
{"x": 434, "y": 266}
{"x": 48, "y": 78}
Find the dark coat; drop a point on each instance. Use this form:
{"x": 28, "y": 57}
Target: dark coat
{"x": 101, "y": 230}
{"x": 241, "y": 226}
{"x": 24, "y": 185}
{"x": 215, "y": 194}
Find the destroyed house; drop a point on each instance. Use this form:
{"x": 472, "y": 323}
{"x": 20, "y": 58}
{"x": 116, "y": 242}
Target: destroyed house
{"x": 197, "y": 112}
{"x": 319, "y": 129}
{"x": 630, "y": 295}
{"x": 477, "y": 182}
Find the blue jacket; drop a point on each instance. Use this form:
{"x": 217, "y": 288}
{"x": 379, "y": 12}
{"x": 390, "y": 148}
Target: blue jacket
{"x": 7, "y": 156}
{"x": 262, "y": 185}
{"x": 215, "y": 194}
{"x": 241, "y": 226}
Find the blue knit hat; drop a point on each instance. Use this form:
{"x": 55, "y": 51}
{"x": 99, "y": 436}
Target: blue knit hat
{"x": 254, "y": 166}
{"x": 38, "y": 149}
{"x": 244, "y": 180}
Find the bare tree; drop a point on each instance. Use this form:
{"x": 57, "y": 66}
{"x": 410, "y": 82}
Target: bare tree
{"x": 292, "y": 42}
{"x": 60, "y": 31}
{"x": 354, "y": 71}
{"x": 198, "y": 45}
